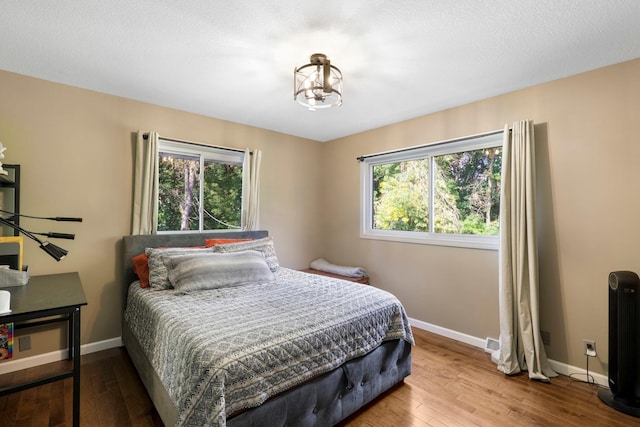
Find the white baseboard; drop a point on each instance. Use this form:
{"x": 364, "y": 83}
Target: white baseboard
{"x": 55, "y": 356}
{"x": 559, "y": 367}
{"x": 449, "y": 333}
{"x": 101, "y": 345}
{"x": 579, "y": 373}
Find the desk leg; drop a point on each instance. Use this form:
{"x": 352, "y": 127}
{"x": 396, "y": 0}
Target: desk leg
{"x": 70, "y": 332}
{"x": 75, "y": 325}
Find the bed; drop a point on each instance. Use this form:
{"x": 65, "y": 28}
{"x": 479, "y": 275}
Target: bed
{"x": 281, "y": 351}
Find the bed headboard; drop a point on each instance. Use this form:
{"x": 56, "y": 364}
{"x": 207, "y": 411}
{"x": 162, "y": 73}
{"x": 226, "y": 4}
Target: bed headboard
{"x": 135, "y": 245}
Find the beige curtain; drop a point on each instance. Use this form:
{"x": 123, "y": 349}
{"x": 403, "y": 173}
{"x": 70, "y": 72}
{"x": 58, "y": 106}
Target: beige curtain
{"x": 521, "y": 345}
{"x": 145, "y": 185}
{"x": 250, "y": 189}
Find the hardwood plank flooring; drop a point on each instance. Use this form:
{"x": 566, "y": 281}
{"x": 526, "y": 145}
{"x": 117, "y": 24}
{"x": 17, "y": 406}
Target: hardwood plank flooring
{"x": 452, "y": 384}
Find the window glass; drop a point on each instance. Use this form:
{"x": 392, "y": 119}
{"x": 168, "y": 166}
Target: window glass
{"x": 178, "y": 190}
{"x": 199, "y": 187}
{"x": 468, "y": 192}
{"x": 446, "y": 193}
{"x": 222, "y": 195}
{"x": 401, "y": 196}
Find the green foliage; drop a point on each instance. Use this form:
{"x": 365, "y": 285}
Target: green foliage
{"x": 466, "y": 193}
{"x": 176, "y": 186}
{"x": 222, "y": 196}
{"x": 447, "y": 214}
{"x": 475, "y": 224}
{"x": 402, "y": 191}
{"x": 179, "y": 189}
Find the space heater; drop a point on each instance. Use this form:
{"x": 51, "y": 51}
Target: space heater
{"x": 624, "y": 344}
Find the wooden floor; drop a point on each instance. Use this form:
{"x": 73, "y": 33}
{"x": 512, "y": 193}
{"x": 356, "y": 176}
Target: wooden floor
{"x": 452, "y": 384}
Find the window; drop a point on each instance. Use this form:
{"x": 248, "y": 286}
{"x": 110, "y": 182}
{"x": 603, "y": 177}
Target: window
{"x": 445, "y": 193}
{"x": 199, "y": 187}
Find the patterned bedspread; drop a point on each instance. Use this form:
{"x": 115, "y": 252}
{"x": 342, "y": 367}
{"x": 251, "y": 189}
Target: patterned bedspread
{"x": 223, "y": 350}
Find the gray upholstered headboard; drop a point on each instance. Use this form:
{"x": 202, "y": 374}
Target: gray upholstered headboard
{"x": 135, "y": 245}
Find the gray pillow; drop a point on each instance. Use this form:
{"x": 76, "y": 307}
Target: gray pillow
{"x": 211, "y": 271}
{"x": 264, "y": 245}
{"x": 158, "y": 279}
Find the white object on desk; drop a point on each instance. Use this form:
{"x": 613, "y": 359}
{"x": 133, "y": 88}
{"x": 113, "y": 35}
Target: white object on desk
{"x": 5, "y": 302}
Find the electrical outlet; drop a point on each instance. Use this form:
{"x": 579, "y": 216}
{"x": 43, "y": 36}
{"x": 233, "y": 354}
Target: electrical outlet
{"x": 24, "y": 343}
{"x": 590, "y": 348}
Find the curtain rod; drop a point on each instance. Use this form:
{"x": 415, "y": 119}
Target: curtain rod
{"x": 431, "y": 144}
{"x": 238, "y": 150}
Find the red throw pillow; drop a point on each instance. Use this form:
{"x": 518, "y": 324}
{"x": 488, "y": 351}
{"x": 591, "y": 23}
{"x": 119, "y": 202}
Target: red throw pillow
{"x": 141, "y": 267}
{"x": 209, "y": 243}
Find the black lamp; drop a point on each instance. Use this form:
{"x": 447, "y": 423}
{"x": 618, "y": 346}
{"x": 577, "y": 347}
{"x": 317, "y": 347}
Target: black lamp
{"x": 53, "y": 250}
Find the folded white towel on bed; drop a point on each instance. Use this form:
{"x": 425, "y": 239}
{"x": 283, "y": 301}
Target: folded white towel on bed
{"x": 324, "y": 265}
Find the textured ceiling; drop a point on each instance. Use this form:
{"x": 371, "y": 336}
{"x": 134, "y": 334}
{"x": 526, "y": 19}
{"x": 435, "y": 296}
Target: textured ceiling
{"x": 234, "y": 60}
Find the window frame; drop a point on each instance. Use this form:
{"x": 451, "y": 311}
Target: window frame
{"x": 473, "y": 241}
{"x": 204, "y": 152}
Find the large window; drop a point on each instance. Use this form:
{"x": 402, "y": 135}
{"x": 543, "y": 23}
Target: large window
{"x": 199, "y": 187}
{"x": 445, "y": 193}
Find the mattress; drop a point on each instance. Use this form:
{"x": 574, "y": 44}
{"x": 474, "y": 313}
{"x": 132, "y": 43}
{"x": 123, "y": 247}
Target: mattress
{"x": 219, "y": 352}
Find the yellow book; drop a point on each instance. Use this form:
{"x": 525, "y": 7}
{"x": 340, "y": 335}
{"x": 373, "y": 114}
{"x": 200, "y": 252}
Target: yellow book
{"x": 11, "y": 252}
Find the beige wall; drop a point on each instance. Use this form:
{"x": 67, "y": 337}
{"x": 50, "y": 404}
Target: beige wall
{"x": 75, "y": 149}
{"x": 588, "y": 202}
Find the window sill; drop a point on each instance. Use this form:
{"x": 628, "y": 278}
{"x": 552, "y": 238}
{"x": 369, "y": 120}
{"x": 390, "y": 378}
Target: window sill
{"x": 453, "y": 240}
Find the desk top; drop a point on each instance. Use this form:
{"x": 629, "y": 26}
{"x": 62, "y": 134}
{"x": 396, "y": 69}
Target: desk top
{"x": 46, "y": 292}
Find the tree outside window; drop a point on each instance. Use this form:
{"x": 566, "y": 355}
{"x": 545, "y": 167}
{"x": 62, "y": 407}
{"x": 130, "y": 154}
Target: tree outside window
{"x": 434, "y": 192}
{"x": 189, "y": 200}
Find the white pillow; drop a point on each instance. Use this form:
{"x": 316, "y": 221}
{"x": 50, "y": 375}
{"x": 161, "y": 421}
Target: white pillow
{"x": 264, "y": 245}
{"x": 158, "y": 279}
{"x": 212, "y": 270}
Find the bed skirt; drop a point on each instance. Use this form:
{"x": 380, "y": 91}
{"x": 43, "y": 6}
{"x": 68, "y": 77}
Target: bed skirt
{"x": 323, "y": 401}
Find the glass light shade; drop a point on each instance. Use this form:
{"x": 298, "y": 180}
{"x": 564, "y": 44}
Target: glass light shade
{"x": 317, "y": 85}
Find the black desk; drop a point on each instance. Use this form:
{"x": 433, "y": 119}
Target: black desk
{"x": 51, "y": 298}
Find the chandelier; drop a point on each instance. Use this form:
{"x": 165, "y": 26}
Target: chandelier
{"x": 318, "y": 84}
